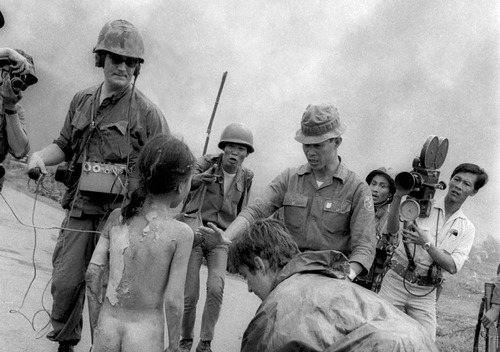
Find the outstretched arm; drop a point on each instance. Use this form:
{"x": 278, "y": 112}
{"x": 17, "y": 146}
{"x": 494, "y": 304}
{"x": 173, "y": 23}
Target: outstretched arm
{"x": 174, "y": 295}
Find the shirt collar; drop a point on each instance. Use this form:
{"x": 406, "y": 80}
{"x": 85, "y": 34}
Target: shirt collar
{"x": 115, "y": 97}
{"x": 439, "y": 204}
{"x": 340, "y": 173}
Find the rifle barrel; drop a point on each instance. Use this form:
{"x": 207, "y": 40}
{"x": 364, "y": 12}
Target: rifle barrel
{"x": 209, "y": 129}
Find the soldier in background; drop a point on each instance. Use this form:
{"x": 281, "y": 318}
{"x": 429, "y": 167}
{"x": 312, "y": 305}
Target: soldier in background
{"x": 383, "y": 188}
{"x": 222, "y": 184}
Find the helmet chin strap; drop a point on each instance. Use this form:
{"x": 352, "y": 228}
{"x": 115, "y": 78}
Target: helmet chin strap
{"x": 386, "y": 201}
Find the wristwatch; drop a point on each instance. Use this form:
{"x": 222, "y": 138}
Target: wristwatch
{"x": 426, "y": 246}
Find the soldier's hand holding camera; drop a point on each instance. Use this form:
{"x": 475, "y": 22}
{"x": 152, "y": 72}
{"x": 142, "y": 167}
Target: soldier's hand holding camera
{"x": 9, "y": 97}
{"x": 18, "y": 63}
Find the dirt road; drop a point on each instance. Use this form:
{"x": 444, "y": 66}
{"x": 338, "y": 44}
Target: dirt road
{"x": 26, "y": 254}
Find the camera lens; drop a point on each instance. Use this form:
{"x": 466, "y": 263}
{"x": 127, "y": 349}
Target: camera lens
{"x": 17, "y": 83}
{"x": 408, "y": 181}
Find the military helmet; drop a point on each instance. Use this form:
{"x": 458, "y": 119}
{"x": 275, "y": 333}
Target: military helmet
{"x": 122, "y": 38}
{"x": 387, "y": 173}
{"x": 237, "y": 133}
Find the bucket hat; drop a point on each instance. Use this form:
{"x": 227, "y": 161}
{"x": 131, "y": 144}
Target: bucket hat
{"x": 319, "y": 123}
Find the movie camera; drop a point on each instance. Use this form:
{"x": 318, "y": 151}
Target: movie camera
{"x": 421, "y": 183}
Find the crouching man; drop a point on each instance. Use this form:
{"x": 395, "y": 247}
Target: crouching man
{"x": 307, "y": 305}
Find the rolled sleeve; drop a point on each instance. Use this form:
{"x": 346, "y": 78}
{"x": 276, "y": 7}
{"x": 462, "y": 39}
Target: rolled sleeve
{"x": 362, "y": 228}
{"x": 270, "y": 200}
{"x": 64, "y": 139}
{"x": 462, "y": 250}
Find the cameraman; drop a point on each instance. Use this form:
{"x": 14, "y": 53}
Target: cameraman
{"x": 107, "y": 123}
{"x": 442, "y": 240}
{"x": 17, "y": 71}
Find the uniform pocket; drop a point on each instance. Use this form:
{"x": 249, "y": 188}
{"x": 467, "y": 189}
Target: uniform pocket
{"x": 114, "y": 140}
{"x": 336, "y": 215}
{"x": 295, "y": 210}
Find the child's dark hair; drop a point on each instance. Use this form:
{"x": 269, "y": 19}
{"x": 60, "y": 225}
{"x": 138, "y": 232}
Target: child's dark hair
{"x": 266, "y": 238}
{"x": 482, "y": 176}
{"x": 163, "y": 164}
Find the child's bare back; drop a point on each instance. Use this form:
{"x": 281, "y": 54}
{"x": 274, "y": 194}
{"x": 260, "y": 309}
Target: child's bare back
{"x": 146, "y": 258}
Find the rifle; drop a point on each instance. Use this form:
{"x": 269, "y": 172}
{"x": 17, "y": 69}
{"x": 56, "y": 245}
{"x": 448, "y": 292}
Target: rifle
{"x": 491, "y": 336}
{"x": 209, "y": 129}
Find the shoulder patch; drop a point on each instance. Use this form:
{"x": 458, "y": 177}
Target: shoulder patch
{"x": 368, "y": 203}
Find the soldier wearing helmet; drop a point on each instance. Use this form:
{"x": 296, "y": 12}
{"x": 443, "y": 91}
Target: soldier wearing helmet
{"x": 17, "y": 73}
{"x": 325, "y": 205}
{"x": 107, "y": 123}
{"x": 222, "y": 185}
{"x": 383, "y": 188}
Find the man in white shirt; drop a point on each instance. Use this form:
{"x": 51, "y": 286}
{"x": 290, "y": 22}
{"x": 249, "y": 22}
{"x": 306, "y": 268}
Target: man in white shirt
{"x": 442, "y": 240}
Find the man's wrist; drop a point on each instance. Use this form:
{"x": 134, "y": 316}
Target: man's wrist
{"x": 10, "y": 111}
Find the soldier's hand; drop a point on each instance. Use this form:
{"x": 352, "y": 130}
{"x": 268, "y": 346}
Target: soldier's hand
{"x": 491, "y": 316}
{"x": 9, "y": 96}
{"x": 36, "y": 161}
{"x": 19, "y": 64}
{"x": 214, "y": 234}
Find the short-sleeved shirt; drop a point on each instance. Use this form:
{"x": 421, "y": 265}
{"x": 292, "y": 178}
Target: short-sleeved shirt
{"x": 455, "y": 237}
{"x": 337, "y": 215}
{"x": 4, "y": 142}
{"x": 110, "y": 140}
{"x": 219, "y": 207}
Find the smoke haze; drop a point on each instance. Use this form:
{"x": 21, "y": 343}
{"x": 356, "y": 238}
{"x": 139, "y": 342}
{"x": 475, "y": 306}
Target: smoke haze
{"x": 397, "y": 71}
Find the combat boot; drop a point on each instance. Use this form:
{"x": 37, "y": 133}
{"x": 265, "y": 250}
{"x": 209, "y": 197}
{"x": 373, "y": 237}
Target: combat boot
{"x": 185, "y": 345}
{"x": 204, "y": 346}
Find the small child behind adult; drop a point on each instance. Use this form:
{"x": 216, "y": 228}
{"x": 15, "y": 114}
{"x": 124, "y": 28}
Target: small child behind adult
{"x": 147, "y": 251}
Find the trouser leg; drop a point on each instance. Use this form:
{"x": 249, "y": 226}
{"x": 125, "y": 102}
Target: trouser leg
{"x": 70, "y": 259}
{"x": 416, "y": 301}
{"x": 191, "y": 293}
{"x": 216, "y": 263}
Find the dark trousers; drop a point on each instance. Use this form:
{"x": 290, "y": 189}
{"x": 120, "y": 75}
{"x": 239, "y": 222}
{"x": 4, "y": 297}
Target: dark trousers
{"x": 70, "y": 260}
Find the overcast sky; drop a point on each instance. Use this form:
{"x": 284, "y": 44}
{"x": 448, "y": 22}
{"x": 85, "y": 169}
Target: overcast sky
{"x": 397, "y": 72}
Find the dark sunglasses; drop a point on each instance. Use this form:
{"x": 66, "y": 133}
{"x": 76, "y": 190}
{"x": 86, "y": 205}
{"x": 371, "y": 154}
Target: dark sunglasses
{"x": 118, "y": 59}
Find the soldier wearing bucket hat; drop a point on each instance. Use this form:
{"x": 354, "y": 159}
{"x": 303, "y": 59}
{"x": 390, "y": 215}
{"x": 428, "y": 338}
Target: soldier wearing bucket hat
{"x": 325, "y": 205}
{"x": 106, "y": 124}
{"x": 17, "y": 73}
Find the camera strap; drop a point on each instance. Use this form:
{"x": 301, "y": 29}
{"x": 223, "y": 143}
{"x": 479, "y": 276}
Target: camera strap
{"x": 411, "y": 262}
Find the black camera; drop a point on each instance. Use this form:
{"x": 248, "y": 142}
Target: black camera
{"x": 17, "y": 81}
{"x": 68, "y": 174}
{"x": 421, "y": 183}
